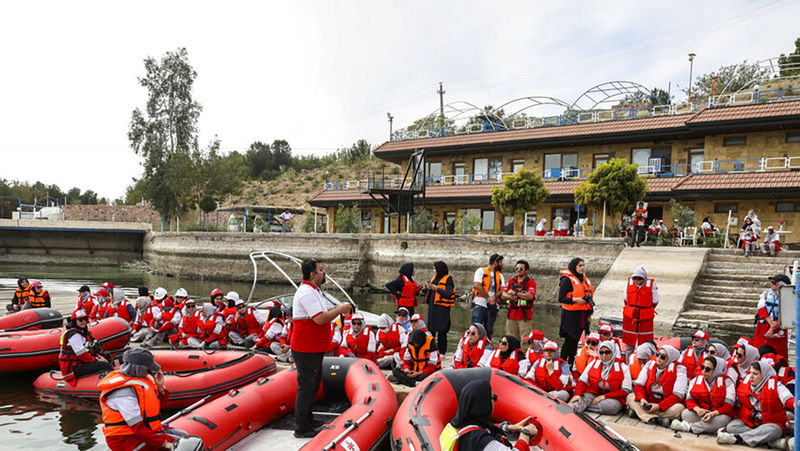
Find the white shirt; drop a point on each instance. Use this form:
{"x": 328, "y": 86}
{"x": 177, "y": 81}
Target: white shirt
{"x": 308, "y": 302}
{"x": 478, "y": 278}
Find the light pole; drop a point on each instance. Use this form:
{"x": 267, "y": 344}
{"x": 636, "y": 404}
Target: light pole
{"x": 391, "y": 118}
{"x": 691, "y": 66}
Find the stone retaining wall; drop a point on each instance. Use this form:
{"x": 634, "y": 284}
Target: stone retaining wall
{"x": 365, "y": 260}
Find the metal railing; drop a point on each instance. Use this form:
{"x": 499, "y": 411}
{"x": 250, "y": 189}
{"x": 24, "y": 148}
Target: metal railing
{"x": 716, "y": 166}
{"x": 583, "y": 117}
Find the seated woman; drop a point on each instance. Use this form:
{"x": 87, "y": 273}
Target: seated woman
{"x": 473, "y": 430}
{"x": 768, "y": 328}
{"x": 763, "y": 402}
{"x": 659, "y": 390}
{"x": 535, "y": 341}
{"x": 718, "y": 349}
{"x": 509, "y": 358}
{"x": 541, "y": 227}
{"x": 604, "y": 384}
{"x": 551, "y": 373}
{"x": 587, "y": 354}
{"x": 784, "y": 372}
{"x": 744, "y": 356}
{"x": 78, "y": 355}
{"x": 694, "y": 354}
{"x": 639, "y": 358}
{"x": 709, "y": 404}
{"x": 474, "y": 350}
{"x": 708, "y": 228}
{"x": 420, "y": 360}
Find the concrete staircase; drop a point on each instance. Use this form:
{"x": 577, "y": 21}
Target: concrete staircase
{"x": 724, "y": 296}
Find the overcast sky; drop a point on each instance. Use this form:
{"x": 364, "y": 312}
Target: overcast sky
{"x": 323, "y": 74}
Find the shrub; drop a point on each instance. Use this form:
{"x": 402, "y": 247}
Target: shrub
{"x": 348, "y": 220}
{"x": 288, "y": 190}
{"x": 421, "y": 221}
{"x": 473, "y": 223}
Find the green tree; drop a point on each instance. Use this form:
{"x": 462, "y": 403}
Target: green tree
{"x": 653, "y": 98}
{"x": 469, "y": 223}
{"x": 616, "y": 184}
{"x": 136, "y": 192}
{"x": 360, "y": 150}
{"x": 165, "y": 133}
{"x": 259, "y": 161}
{"x": 348, "y": 220}
{"x": 217, "y": 176}
{"x": 432, "y": 122}
{"x": 730, "y": 78}
{"x": 421, "y": 221}
{"x": 790, "y": 64}
{"x": 682, "y": 213}
{"x": 520, "y": 192}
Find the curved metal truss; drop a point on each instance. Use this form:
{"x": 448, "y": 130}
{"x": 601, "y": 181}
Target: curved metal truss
{"x": 770, "y": 68}
{"x": 532, "y": 102}
{"x": 609, "y": 91}
{"x": 458, "y": 110}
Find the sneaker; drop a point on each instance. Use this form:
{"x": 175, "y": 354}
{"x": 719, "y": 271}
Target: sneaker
{"x": 393, "y": 379}
{"x": 682, "y": 426}
{"x": 780, "y": 443}
{"x": 308, "y": 433}
{"x": 725, "y": 438}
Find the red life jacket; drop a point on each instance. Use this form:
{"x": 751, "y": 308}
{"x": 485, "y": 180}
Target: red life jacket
{"x": 211, "y": 324}
{"x": 520, "y": 309}
{"x": 192, "y": 325}
{"x": 691, "y": 362}
{"x": 510, "y": 365}
{"x": 667, "y": 381}
{"x": 87, "y": 305}
{"x": 359, "y": 345}
{"x": 709, "y": 401}
{"x": 542, "y": 378}
{"x": 472, "y": 354}
{"x": 597, "y": 385}
{"x": 67, "y": 359}
{"x": 408, "y": 296}
{"x": 390, "y": 340}
{"x": 248, "y": 325}
{"x": 532, "y": 356}
{"x": 772, "y": 409}
{"x": 287, "y": 339}
{"x": 121, "y": 311}
{"x": 639, "y": 305}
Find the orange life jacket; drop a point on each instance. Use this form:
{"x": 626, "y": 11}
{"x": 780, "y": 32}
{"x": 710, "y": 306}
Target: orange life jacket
{"x": 420, "y": 358}
{"x": 579, "y": 290}
{"x": 772, "y": 409}
{"x": 22, "y": 295}
{"x": 582, "y": 360}
{"x": 408, "y": 296}
{"x": 37, "y": 300}
{"x": 486, "y": 281}
{"x": 438, "y": 299}
{"x": 149, "y": 404}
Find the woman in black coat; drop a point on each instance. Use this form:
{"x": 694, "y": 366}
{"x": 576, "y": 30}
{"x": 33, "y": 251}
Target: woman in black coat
{"x": 439, "y": 315}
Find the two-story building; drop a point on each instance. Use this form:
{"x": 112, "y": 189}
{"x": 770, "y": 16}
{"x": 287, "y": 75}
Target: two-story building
{"x": 714, "y": 159}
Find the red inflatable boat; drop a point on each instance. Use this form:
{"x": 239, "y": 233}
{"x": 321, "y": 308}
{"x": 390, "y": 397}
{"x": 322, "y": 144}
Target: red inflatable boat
{"x": 38, "y": 349}
{"x": 190, "y": 375}
{"x": 227, "y": 420}
{"x": 433, "y": 403}
{"x": 31, "y": 319}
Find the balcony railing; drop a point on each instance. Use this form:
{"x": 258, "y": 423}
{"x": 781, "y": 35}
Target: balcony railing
{"x": 583, "y": 117}
{"x": 773, "y": 164}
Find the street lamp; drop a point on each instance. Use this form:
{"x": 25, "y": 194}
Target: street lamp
{"x": 691, "y": 66}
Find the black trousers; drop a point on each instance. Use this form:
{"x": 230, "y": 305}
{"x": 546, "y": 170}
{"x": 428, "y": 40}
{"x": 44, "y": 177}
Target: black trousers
{"x": 569, "y": 349}
{"x": 638, "y": 235}
{"x": 95, "y": 367}
{"x": 309, "y": 377}
{"x": 405, "y": 380}
{"x": 441, "y": 342}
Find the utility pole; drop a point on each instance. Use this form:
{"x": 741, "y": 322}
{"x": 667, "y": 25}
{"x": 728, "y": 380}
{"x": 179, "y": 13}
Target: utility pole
{"x": 691, "y": 66}
{"x": 441, "y": 92}
{"x": 391, "y": 118}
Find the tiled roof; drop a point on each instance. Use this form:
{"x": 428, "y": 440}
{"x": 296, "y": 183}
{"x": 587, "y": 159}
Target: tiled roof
{"x": 665, "y": 185}
{"x": 655, "y": 124}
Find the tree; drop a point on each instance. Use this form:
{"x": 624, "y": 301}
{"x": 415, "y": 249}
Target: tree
{"x": 421, "y": 221}
{"x": 135, "y": 193}
{"x": 682, "y": 213}
{"x": 216, "y": 176}
{"x": 432, "y": 122}
{"x": 653, "y": 98}
{"x": 348, "y": 220}
{"x": 165, "y": 133}
{"x": 259, "y": 160}
{"x": 520, "y": 192}
{"x": 615, "y": 184}
{"x": 730, "y": 78}
{"x": 360, "y": 150}
{"x": 790, "y": 64}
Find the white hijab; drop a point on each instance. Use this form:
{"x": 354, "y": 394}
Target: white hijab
{"x": 611, "y": 346}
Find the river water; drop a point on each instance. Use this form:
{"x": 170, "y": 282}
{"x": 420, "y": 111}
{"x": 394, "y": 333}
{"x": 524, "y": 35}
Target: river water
{"x": 31, "y": 420}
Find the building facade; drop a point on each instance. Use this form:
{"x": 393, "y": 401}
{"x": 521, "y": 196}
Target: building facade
{"x": 714, "y": 160}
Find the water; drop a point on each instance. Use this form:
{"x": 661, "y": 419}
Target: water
{"x": 31, "y": 420}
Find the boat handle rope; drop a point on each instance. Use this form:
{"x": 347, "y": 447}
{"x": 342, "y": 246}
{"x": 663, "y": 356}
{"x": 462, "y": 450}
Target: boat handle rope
{"x": 187, "y": 410}
{"x": 349, "y": 426}
{"x": 187, "y": 373}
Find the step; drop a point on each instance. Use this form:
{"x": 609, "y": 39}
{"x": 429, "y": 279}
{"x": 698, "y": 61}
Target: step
{"x": 727, "y": 323}
{"x": 752, "y": 292}
{"x": 751, "y": 266}
{"x": 733, "y": 275}
{"x": 722, "y": 302}
{"x": 784, "y": 254}
{"x": 740, "y": 258}
{"x": 724, "y": 308}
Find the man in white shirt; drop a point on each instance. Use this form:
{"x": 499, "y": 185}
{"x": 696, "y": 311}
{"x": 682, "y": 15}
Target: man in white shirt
{"x": 488, "y": 282}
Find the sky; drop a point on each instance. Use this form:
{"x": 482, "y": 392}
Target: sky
{"x": 324, "y": 74}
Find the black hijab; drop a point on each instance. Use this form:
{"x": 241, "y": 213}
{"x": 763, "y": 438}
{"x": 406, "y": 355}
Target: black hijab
{"x": 474, "y": 408}
{"x": 19, "y": 281}
{"x": 573, "y": 265}
{"x": 407, "y": 269}
{"x": 441, "y": 270}
{"x": 513, "y": 346}
{"x": 416, "y": 337}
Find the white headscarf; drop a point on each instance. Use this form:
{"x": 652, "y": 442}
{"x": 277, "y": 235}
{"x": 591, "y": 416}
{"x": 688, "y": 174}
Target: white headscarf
{"x": 119, "y": 296}
{"x": 767, "y": 372}
{"x": 751, "y": 354}
{"x": 611, "y": 346}
{"x": 639, "y": 272}
{"x": 722, "y": 350}
{"x": 541, "y": 225}
{"x": 719, "y": 370}
{"x": 646, "y": 350}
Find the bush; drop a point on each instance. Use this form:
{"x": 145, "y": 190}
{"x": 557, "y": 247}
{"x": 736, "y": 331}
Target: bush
{"x": 473, "y": 223}
{"x": 315, "y": 183}
{"x": 666, "y": 238}
{"x": 306, "y": 190}
{"x": 198, "y": 227}
{"x": 715, "y": 240}
{"x": 421, "y": 221}
{"x": 348, "y": 220}
{"x": 683, "y": 214}
{"x": 288, "y": 190}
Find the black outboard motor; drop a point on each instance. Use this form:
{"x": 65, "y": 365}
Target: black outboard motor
{"x": 189, "y": 443}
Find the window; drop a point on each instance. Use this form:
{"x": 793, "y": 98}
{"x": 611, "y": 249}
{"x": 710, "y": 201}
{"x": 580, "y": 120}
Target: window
{"x": 793, "y": 137}
{"x": 495, "y": 169}
{"x": 600, "y": 158}
{"x": 460, "y": 172}
{"x": 724, "y": 208}
{"x": 783, "y": 207}
{"x": 560, "y": 212}
{"x": 434, "y": 171}
{"x": 530, "y": 223}
{"x": 487, "y": 223}
{"x": 366, "y": 221}
{"x": 652, "y": 161}
{"x": 695, "y": 158}
{"x": 481, "y": 169}
{"x": 516, "y": 165}
{"x": 508, "y": 225}
{"x": 558, "y": 165}
{"x": 734, "y": 141}
{"x": 450, "y": 221}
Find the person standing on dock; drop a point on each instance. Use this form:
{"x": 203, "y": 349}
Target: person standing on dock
{"x": 640, "y": 299}
{"x": 639, "y": 228}
{"x": 488, "y": 282}
{"x": 310, "y": 341}
{"x": 520, "y": 292}
{"x": 440, "y": 295}
{"x": 575, "y": 295}
{"x": 404, "y": 288}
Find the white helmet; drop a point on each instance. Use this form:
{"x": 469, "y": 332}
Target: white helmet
{"x": 160, "y": 293}
{"x": 232, "y": 296}
{"x": 181, "y": 293}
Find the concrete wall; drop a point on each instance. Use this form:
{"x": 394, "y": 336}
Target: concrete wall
{"x": 366, "y": 260}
